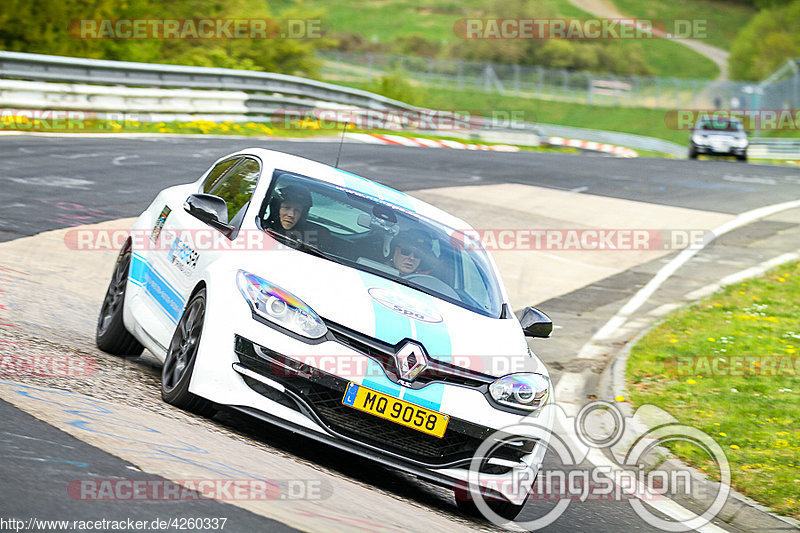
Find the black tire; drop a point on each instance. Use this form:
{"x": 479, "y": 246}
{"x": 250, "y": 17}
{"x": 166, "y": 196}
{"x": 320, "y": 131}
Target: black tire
{"x": 111, "y": 335}
{"x": 692, "y": 153}
{"x": 742, "y": 158}
{"x": 181, "y": 356}
{"x": 505, "y": 509}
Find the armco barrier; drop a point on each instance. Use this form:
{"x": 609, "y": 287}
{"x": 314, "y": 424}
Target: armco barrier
{"x": 265, "y": 93}
{"x": 773, "y": 148}
{"x": 41, "y": 95}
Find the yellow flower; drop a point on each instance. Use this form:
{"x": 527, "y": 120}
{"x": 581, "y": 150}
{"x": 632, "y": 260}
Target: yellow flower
{"x": 620, "y": 398}
{"x": 723, "y": 434}
{"x": 673, "y": 340}
{"x": 691, "y": 381}
{"x": 734, "y": 447}
{"x": 712, "y": 339}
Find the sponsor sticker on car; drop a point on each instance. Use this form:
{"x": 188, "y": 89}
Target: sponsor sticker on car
{"x": 398, "y": 411}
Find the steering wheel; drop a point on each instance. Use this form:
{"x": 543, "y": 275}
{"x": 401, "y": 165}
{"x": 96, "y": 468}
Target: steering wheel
{"x": 433, "y": 283}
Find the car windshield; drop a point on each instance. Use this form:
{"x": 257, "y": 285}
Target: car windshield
{"x": 720, "y": 125}
{"x": 382, "y": 238}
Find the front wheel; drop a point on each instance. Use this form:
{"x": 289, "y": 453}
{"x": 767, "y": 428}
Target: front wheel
{"x": 181, "y": 357}
{"x": 111, "y": 335}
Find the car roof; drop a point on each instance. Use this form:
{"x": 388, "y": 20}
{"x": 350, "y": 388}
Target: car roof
{"x": 348, "y": 180}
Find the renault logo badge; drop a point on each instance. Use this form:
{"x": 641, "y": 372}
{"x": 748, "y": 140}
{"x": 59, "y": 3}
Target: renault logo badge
{"x": 411, "y": 360}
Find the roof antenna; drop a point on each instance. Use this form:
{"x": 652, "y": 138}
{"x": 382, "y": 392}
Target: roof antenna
{"x": 340, "y": 144}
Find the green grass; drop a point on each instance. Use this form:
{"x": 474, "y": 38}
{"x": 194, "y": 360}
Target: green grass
{"x": 753, "y": 412}
{"x": 724, "y": 18}
{"x": 672, "y": 60}
{"x": 640, "y": 121}
{"x": 383, "y": 21}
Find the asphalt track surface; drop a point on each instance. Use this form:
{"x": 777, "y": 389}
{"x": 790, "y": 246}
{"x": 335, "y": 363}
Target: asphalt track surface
{"x": 53, "y": 182}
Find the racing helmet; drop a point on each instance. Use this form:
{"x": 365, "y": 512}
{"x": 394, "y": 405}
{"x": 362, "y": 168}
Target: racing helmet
{"x": 294, "y": 193}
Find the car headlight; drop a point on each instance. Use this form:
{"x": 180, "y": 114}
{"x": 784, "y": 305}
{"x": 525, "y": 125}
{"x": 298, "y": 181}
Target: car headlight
{"x": 272, "y": 303}
{"x": 741, "y": 143}
{"x": 700, "y": 139}
{"x": 524, "y": 390}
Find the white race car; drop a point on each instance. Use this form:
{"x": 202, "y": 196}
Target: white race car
{"x": 340, "y": 309}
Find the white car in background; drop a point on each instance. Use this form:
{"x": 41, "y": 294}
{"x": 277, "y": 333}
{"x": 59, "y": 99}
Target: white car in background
{"x": 314, "y": 328}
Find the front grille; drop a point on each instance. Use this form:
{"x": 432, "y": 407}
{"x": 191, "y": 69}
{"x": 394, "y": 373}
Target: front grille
{"x": 383, "y": 354}
{"x": 323, "y": 393}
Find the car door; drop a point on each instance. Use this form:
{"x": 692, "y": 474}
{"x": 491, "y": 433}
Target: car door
{"x": 190, "y": 244}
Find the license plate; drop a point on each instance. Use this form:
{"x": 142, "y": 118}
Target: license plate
{"x": 398, "y": 411}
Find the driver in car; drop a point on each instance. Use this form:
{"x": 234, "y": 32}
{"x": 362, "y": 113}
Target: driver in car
{"x": 288, "y": 216}
{"x": 408, "y": 250}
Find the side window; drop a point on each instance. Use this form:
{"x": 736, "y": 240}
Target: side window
{"x": 217, "y": 174}
{"x": 237, "y": 186}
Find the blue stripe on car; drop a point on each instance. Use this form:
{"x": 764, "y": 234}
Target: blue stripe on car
{"x": 392, "y": 327}
{"x": 170, "y": 301}
{"x": 435, "y": 337}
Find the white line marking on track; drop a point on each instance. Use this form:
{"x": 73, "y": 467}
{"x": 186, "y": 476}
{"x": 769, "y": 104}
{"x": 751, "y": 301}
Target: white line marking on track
{"x": 677, "y": 262}
{"x": 74, "y": 156}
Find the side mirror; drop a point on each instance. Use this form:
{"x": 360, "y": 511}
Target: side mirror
{"x": 535, "y": 323}
{"x": 209, "y": 209}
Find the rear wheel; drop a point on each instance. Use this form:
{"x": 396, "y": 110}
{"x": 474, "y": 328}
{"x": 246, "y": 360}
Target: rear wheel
{"x": 111, "y": 335}
{"x": 742, "y": 157}
{"x": 181, "y": 357}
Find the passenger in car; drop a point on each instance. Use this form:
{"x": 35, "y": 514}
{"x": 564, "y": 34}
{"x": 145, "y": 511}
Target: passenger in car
{"x": 288, "y": 216}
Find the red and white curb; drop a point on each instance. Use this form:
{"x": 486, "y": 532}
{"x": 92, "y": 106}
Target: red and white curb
{"x": 374, "y": 138}
{"x": 619, "y": 151}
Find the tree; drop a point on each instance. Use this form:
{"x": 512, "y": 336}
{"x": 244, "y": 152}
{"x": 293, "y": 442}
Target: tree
{"x": 50, "y": 27}
{"x": 772, "y": 37}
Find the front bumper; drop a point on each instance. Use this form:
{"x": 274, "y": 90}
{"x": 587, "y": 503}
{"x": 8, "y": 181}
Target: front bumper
{"x": 318, "y": 395}
{"x": 725, "y": 150}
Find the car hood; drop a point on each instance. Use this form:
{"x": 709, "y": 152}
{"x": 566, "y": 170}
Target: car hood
{"x": 390, "y": 312}
{"x": 722, "y": 135}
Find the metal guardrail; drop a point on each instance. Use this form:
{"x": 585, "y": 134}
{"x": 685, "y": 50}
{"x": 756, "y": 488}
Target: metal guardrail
{"x": 266, "y": 92}
{"x": 773, "y": 148}
{"x": 260, "y": 85}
